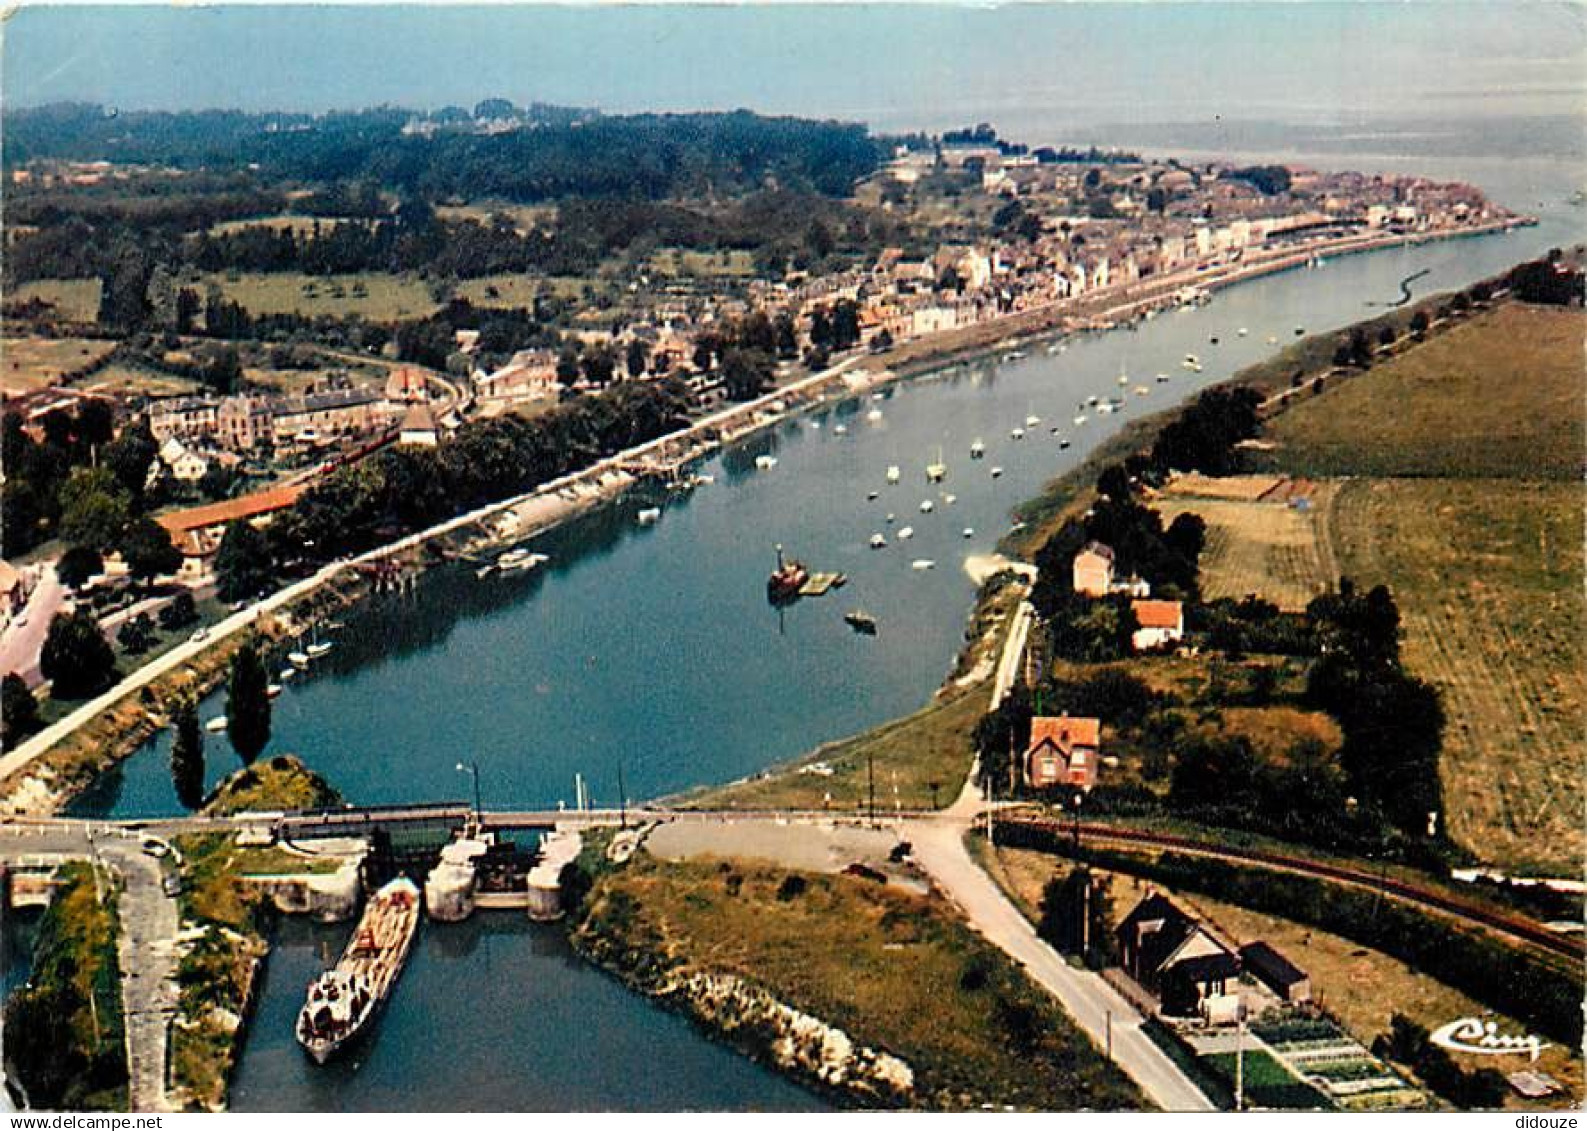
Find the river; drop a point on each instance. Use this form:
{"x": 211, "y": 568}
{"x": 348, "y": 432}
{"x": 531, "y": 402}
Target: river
{"x": 653, "y": 649}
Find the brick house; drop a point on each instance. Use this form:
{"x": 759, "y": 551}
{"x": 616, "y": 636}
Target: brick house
{"x": 1062, "y": 752}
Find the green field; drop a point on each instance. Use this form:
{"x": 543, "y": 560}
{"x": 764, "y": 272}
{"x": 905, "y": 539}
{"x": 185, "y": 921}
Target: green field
{"x": 511, "y": 291}
{"x": 1501, "y": 395}
{"x": 673, "y": 261}
{"x": 76, "y": 300}
{"x": 27, "y": 364}
{"x": 378, "y": 297}
{"x": 896, "y": 971}
{"x": 1464, "y": 455}
{"x": 1488, "y": 576}
{"x": 298, "y": 225}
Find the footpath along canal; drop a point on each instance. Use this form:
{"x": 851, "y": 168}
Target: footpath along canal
{"x": 653, "y": 646}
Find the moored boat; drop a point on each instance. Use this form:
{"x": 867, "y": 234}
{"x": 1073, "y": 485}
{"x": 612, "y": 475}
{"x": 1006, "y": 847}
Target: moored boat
{"x": 861, "y": 621}
{"x": 342, "y": 1001}
{"x": 786, "y": 580}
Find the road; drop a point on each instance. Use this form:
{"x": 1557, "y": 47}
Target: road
{"x": 148, "y": 919}
{"x": 1094, "y": 1005}
{"x": 20, "y": 644}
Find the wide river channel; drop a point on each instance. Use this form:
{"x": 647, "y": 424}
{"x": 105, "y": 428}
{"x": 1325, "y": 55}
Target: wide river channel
{"x": 654, "y": 648}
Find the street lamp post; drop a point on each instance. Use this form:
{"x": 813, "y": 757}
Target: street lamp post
{"x": 1079, "y": 797}
{"x": 472, "y": 768}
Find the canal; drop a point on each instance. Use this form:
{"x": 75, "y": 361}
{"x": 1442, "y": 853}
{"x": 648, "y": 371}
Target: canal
{"x": 653, "y": 648}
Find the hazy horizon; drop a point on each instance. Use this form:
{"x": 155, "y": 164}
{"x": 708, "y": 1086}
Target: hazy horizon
{"x": 895, "y": 68}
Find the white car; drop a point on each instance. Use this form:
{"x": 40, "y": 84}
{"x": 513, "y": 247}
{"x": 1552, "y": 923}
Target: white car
{"x": 199, "y": 634}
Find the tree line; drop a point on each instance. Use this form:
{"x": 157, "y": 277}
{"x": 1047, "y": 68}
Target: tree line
{"x": 642, "y": 156}
{"x": 407, "y": 488}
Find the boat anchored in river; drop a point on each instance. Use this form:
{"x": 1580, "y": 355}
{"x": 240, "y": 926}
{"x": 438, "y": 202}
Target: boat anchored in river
{"x": 345, "y": 999}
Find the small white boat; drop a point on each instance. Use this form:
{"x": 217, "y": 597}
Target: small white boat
{"x": 926, "y": 506}
{"x": 893, "y": 474}
{"x": 765, "y": 463}
{"x": 950, "y": 499}
{"x": 969, "y": 532}
{"x": 1142, "y": 391}
{"x": 1162, "y": 378}
{"x": 1242, "y": 331}
{"x": 216, "y": 725}
{"x": 1124, "y": 378}
{"x": 1014, "y": 355}
{"x": 872, "y": 496}
{"x": 273, "y": 690}
{"x": 906, "y": 533}
{"x": 1017, "y": 434}
{"x": 315, "y": 651}
{"x": 1272, "y": 339}
{"x": 705, "y": 480}
{"x": 841, "y": 430}
{"x": 510, "y": 562}
{"x": 298, "y": 659}
{"x": 1052, "y": 349}
{"x": 287, "y": 674}
{"x": 649, "y": 516}
{"x": 1032, "y": 420}
{"x": 1092, "y": 400}
{"x": 1106, "y": 408}
{"x": 1079, "y": 420}
{"x": 878, "y": 542}
{"x": 1196, "y": 368}
{"x": 874, "y": 415}
{"x": 1063, "y": 441}
{"x": 977, "y": 450}
{"x": 889, "y": 517}
{"x": 815, "y": 425}
{"x": 997, "y": 472}
{"x": 922, "y": 564}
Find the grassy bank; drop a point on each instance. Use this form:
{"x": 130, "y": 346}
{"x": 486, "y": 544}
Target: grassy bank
{"x": 72, "y": 1053}
{"x": 897, "y": 972}
{"x": 229, "y": 918}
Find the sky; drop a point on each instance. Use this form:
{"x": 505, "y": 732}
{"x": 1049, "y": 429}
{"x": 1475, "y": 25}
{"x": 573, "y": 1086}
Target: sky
{"x": 898, "y": 66}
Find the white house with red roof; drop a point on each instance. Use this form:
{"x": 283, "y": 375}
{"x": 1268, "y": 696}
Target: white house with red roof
{"x": 1161, "y": 624}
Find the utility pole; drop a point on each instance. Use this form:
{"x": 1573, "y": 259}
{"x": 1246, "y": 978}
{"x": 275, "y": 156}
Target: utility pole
{"x": 1085, "y": 917}
{"x": 1108, "y": 1021}
{"x": 1239, "y": 1057}
{"x": 870, "y": 784}
{"x": 622, "y": 798}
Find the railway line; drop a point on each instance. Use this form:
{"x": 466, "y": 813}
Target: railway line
{"x": 1515, "y": 925}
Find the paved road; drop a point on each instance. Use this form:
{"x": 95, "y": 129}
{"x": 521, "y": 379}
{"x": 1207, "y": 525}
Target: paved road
{"x": 19, "y": 645}
{"x": 939, "y": 849}
{"x": 149, "y": 921}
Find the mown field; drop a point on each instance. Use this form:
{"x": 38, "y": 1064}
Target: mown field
{"x": 1501, "y": 395}
{"x": 37, "y": 363}
{"x": 76, "y": 300}
{"x": 1280, "y": 552}
{"x": 896, "y": 971}
{"x": 368, "y": 295}
{"x": 1488, "y": 576}
{"x": 1464, "y": 455}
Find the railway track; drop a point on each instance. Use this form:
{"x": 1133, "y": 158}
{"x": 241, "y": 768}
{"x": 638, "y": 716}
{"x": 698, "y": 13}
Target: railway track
{"x": 1518, "y": 926}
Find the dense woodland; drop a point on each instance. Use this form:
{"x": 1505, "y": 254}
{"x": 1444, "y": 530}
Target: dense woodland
{"x": 641, "y": 156}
